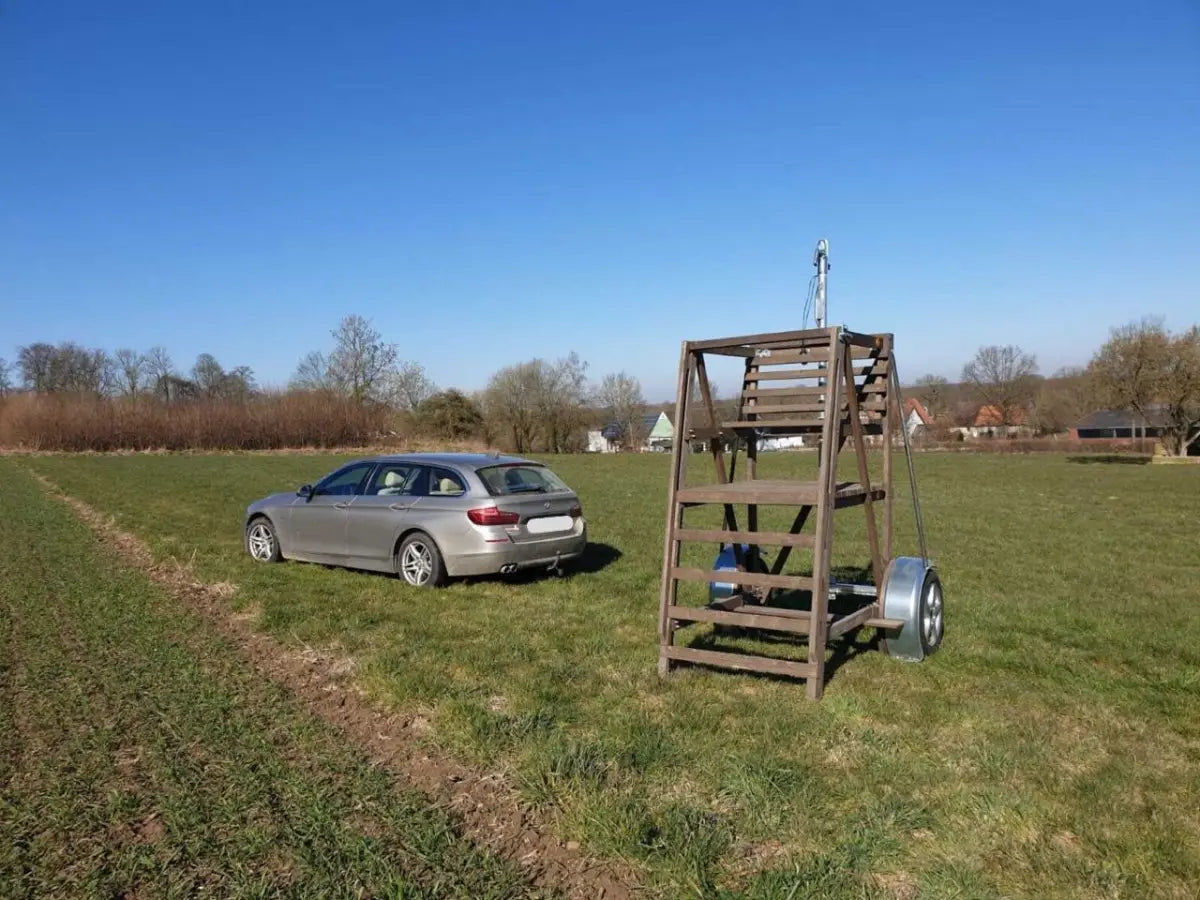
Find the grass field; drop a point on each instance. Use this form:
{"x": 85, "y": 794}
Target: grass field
{"x": 1051, "y": 749}
{"x": 140, "y": 757}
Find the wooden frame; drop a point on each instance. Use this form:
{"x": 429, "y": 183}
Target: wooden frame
{"x": 850, "y": 400}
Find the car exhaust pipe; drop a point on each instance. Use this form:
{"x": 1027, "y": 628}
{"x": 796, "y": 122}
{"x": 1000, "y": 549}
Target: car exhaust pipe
{"x": 508, "y": 568}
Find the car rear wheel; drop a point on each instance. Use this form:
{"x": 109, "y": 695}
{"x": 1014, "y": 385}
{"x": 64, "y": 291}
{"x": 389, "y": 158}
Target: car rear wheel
{"x": 261, "y": 542}
{"x": 419, "y": 562}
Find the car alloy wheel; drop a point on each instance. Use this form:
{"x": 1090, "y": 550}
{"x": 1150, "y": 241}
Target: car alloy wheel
{"x": 416, "y": 563}
{"x": 261, "y": 542}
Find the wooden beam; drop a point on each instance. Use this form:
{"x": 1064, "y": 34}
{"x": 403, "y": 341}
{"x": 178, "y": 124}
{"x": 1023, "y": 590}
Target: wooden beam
{"x": 769, "y": 538}
{"x": 854, "y": 620}
{"x": 880, "y": 367}
{"x": 739, "y": 619}
{"x": 668, "y": 588}
{"x": 740, "y": 661}
{"x": 864, "y": 477}
{"x": 752, "y": 579}
{"x": 817, "y": 337}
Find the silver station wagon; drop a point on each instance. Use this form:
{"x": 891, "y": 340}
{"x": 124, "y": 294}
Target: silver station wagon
{"x": 425, "y": 516}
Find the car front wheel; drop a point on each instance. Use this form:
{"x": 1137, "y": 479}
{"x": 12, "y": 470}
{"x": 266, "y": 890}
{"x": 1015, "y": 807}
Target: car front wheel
{"x": 261, "y": 542}
{"x": 419, "y": 562}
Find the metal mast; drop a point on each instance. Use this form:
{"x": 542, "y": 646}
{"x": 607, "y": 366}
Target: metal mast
{"x": 821, "y": 261}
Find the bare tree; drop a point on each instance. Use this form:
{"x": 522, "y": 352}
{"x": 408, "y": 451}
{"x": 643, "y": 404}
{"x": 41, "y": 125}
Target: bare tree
{"x": 361, "y": 361}
{"x": 35, "y": 362}
{"x": 159, "y": 368}
{"x": 1004, "y": 378}
{"x": 208, "y": 375}
{"x": 312, "y": 374}
{"x": 621, "y": 394}
{"x": 1062, "y": 400}
{"x": 934, "y": 393}
{"x": 66, "y": 368}
{"x": 130, "y": 371}
{"x": 561, "y": 397}
{"x": 5, "y": 382}
{"x": 1145, "y": 368}
{"x": 407, "y": 386}
{"x": 511, "y": 402}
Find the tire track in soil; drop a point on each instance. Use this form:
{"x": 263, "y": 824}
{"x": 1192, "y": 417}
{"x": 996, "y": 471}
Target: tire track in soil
{"x": 487, "y": 807}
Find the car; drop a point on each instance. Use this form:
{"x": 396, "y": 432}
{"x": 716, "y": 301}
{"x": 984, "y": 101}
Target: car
{"x": 427, "y": 517}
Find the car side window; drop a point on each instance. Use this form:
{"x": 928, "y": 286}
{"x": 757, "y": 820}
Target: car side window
{"x": 393, "y": 478}
{"x": 445, "y": 483}
{"x": 344, "y": 482}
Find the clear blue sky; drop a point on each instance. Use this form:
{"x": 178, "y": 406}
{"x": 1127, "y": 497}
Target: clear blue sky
{"x": 490, "y": 182}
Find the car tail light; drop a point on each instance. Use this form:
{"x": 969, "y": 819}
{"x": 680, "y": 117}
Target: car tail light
{"x": 491, "y": 515}
{"x": 576, "y": 511}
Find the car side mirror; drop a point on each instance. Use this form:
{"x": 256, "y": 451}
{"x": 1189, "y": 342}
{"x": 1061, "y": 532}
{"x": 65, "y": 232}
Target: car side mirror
{"x": 305, "y": 491}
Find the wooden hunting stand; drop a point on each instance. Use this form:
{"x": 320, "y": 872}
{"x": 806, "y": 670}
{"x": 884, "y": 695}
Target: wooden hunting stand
{"x": 827, "y": 384}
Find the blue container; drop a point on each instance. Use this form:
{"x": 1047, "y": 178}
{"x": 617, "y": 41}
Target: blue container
{"x": 720, "y": 590}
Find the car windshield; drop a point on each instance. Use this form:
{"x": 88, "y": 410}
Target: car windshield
{"x": 520, "y": 479}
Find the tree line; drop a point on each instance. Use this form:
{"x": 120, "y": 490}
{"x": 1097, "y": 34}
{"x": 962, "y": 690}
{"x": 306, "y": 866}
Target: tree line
{"x": 549, "y": 404}
{"x": 538, "y": 405}
{"x": 1143, "y": 368}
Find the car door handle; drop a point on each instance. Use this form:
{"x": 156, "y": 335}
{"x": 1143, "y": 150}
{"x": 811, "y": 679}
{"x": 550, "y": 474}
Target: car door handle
{"x": 341, "y": 506}
{"x": 398, "y": 507}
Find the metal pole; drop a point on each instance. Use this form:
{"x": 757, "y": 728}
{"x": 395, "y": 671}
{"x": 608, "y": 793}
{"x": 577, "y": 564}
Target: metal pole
{"x": 821, "y": 261}
{"x": 912, "y": 472}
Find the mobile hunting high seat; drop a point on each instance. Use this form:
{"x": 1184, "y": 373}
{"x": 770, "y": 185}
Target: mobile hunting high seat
{"x": 827, "y": 384}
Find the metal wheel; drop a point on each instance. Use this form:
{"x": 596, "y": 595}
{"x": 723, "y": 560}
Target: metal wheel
{"x": 912, "y": 594}
{"x": 419, "y": 563}
{"x": 261, "y": 542}
{"x": 933, "y": 626}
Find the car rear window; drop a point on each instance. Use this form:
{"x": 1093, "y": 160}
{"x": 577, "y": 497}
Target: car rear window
{"x": 510, "y": 479}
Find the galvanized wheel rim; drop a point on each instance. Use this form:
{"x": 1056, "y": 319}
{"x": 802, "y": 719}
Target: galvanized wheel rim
{"x": 932, "y": 625}
{"x": 261, "y": 542}
{"x": 416, "y": 563}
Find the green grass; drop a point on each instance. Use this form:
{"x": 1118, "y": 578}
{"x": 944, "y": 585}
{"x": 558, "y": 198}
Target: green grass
{"x": 140, "y": 757}
{"x": 1051, "y": 749}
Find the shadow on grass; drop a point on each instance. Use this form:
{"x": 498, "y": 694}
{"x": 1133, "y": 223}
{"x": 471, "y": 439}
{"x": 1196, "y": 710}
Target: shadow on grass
{"x": 1112, "y": 459}
{"x": 841, "y": 650}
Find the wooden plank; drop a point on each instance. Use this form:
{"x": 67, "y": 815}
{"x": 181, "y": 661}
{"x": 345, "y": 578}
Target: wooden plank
{"x": 752, "y": 579}
{"x": 785, "y": 355}
{"x": 884, "y": 624}
{"x": 864, "y": 477}
{"x": 854, "y": 620}
{"x": 718, "y": 454}
{"x": 889, "y": 430}
{"x": 880, "y": 367}
{"x": 740, "y": 661}
{"x": 771, "y": 491}
{"x": 879, "y": 387}
{"x": 739, "y": 619}
{"x": 794, "y": 425}
{"x": 763, "y": 409}
{"x": 705, "y": 433}
{"x": 812, "y": 336}
{"x": 857, "y": 339}
{"x": 827, "y": 479}
{"x": 769, "y": 538}
{"x": 669, "y": 586}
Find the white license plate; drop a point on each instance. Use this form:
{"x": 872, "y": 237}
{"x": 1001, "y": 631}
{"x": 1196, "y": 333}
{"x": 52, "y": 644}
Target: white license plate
{"x": 548, "y": 524}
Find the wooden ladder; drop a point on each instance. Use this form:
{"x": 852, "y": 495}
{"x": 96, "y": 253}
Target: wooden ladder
{"x": 826, "y": 384}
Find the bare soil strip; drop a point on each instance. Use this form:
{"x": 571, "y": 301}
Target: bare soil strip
{"x": 488, "y": 807}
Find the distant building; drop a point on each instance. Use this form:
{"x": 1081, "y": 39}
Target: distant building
{"x": 916, "y": 417}
{"x": 1118, "y": 424}
{"x": 658, "y": 434}
{"x": 989, "y": 422}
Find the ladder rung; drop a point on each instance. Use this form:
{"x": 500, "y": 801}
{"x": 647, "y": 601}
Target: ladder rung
{"x": 740, "y": 661}
{"x": 765, "y": 408}
{"x": 880, "y": 367}
{"x": 770, "y": 538}
{"x": 740, "y": 619}
{"x": 885, "y": 624}
{"x": 732, "y": 576}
